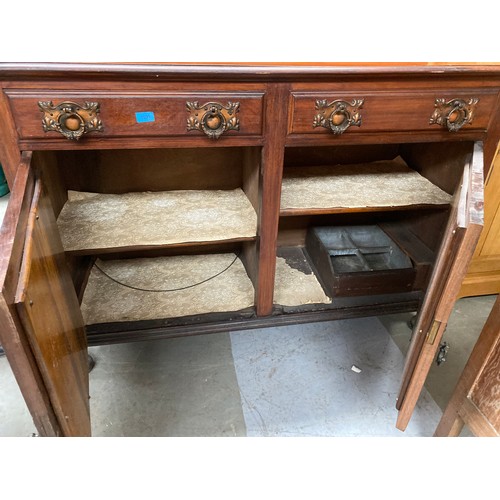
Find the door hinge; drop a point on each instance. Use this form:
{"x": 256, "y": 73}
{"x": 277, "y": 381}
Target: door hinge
{"x": 443, "y": 351}
{"x": 431, "y": 335}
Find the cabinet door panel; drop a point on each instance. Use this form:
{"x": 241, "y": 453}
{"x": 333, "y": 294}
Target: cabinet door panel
{"x": 41, "y": 323}
{"x": 458, "y": 244}
{"x": 49, "y": 311}
{"x": 12, "y": 335}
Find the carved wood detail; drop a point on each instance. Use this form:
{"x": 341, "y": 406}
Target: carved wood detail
{"x": 453, "y": 114}
{"x": 213, "y": 118}
{"x": 70, "y": 119}
{"x": 338, "y": 115}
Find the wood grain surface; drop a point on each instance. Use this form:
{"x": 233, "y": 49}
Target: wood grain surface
{"x": 50, "y": 314}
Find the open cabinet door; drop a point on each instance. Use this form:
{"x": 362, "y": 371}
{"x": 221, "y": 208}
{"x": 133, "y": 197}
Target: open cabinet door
{"x": 457, "y": 247}
{"x": 44, "y": 338}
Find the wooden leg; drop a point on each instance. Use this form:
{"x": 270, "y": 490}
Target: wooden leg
{"x": 450, "y": 428}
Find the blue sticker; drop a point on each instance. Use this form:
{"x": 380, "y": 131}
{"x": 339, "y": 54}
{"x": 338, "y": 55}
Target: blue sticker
{"x": 144, "y": 116}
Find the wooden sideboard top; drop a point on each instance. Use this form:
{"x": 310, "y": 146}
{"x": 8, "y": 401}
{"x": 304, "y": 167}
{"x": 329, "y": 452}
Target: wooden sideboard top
{"x": 241, "y": 71}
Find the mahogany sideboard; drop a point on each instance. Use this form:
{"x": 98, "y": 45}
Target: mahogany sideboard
{"x": 152, "y": 201}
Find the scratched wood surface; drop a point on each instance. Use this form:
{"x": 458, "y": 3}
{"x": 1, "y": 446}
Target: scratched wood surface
{"x": 486, "y": 391}
{"x": 277, "y": 105}
{"x": 49, "y": 310}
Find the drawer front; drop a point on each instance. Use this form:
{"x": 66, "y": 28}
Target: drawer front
{"x": 357, "y": 112}
{"x": 51, "y": 114}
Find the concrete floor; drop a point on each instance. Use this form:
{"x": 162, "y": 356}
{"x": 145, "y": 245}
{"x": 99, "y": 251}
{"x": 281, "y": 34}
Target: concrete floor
{"x": 287, "y": 381}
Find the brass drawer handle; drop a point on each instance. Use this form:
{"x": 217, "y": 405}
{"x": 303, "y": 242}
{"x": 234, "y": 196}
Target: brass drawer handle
{"x": 71, "y": 119}
{"x": 453, "y": 114}
{"x": 213, "y": 118}
{"x": 338, "y": 115}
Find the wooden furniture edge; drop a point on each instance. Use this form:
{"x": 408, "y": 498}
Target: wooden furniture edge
{"x": 248, "y": 72}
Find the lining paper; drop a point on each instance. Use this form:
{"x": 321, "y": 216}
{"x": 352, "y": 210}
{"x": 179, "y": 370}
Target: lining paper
{"x": 93, "y": 220}
{"x": 294, "y": 288}
{"x": 376, "y": 184}
{"x": 106, "y": 301}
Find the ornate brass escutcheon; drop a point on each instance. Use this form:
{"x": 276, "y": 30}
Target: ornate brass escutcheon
{"x": 338, "y": 115}
{"x": 71, "y": 119}
{"x": 453, "y": 114}
{"x": 213, "y": 118}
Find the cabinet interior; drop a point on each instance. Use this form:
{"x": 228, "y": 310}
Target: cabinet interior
{"x": 135, "y": 223}
{"x": 405, "y": 190}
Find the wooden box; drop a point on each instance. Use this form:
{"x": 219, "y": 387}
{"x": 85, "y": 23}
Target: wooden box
{"x": 358, "y": 260}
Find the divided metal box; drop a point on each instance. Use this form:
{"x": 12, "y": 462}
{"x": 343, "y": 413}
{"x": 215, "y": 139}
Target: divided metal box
{"x": 358, "y": 260}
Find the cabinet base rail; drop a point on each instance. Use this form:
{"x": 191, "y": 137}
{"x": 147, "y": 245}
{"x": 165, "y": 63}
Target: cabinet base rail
{"x": 138, "y": 331}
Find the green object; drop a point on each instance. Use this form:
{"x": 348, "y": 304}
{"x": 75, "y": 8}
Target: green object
{"x": 4, "y": 188}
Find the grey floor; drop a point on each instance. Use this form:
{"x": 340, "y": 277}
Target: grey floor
{"x": 287, "y": 381}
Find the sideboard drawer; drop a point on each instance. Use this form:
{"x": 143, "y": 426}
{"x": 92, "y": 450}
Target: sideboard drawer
{"x": 357, "y": 112}
{"x": 66, "y": 115}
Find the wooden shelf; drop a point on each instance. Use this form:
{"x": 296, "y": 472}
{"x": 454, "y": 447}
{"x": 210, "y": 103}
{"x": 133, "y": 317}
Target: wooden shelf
{"x": 290, "y": 212}
{"x": 106, "y": 301}
{"x": 296, "y": 284}
{"x": 367, "y": 187}
{"x": 92, "y": 223}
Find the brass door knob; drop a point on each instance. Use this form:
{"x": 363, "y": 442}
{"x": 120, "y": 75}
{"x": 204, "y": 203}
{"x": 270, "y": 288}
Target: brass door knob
{"x": 213, "y": 118}
{"x": 453, "y": 114}
{"x": 339, "y": 115}
{"x": 70, "y": 119}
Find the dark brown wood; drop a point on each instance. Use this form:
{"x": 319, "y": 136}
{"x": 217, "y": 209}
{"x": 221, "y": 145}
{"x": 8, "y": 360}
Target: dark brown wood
{"x": 188, "y": 249}
{"x": 116, "y": 333}
{"x": 12, "y": 334}
{"x": 478, "y": 385}
{"x": 244, "y": 72}
{"x": 459, "y": 241}
{"x": 250, "y": 258}
{"x": 426, "y": 225}
{"x": 161, "y": 155}
{"x": 141, "y": 142}
{"x": 251, "y": 176}
{"x": 442, "y": 164}
{"x": 336, "y": 155}
{"x": 10, "y": 156}
{"x": 79, "y": 269}
{"x": 275, "y": 119}
{"x": 158, "y": 249}
{"x": 50, "y": 313}
{"x": 368, "y": 138}
{"x": 369, "y": 283}
{"x": 394, "y": 111}
{"x": 118, "y": 112}
{"x": 420, "y": 254}
{"x": 48, "y": 167}
{"x": 118, "y": 171}
{"x": 348, "y": 283}
{"x": 294, "y": 212}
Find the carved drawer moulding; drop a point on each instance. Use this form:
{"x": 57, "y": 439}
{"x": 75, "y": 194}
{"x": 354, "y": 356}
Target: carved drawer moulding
{"x": 453, "y": 114}
{"x": 70, "y": 119}
{"x": 213, "y": 118}
{"x": 338, "y": 115}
